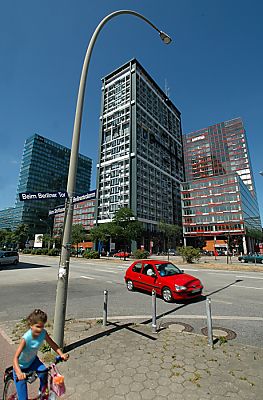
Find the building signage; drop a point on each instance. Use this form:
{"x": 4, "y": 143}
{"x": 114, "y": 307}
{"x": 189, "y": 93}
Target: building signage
{"x": 86, "y": 196}
{"x": 42, "y": 195}
{"x": 76, "y": 199}
{"x": 198, "y": 138}
{"x": 38, "y": 240}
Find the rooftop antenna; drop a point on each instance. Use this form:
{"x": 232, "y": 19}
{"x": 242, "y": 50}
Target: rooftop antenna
{"x": 166, "y": 88}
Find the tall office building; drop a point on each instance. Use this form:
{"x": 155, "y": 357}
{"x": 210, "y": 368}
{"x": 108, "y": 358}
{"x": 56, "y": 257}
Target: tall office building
{"x": 7, "y": 218}
{"x": 219, "y": 197}
{"x": 218, "y": 150}
{"x": 44, "y": 167}
{"x": 140, "y": 149}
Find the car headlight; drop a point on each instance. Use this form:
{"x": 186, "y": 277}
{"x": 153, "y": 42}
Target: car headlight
{"x": 179, "y": 288}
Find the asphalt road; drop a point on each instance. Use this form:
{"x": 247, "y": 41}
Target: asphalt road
{"x": 237, "y": 297}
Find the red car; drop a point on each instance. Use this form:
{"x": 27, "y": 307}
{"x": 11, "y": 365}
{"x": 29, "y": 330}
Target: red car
{"x": 168, "y": 280}
{"x": 122, "y": 254}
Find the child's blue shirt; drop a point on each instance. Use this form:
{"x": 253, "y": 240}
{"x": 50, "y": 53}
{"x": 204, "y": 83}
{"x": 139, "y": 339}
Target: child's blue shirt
{"x": 31, "y": 348}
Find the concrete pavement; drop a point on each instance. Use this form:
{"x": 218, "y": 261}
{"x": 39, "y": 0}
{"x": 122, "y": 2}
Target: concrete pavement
{"x": 126, "y": 361}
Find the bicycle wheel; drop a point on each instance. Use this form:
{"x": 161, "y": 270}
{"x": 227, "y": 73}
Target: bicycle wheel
{"x": 9, "y": 390}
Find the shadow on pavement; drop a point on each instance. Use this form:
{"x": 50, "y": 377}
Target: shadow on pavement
{"x": 116, "y": 328}
{"x": 225, "y": 287}
{"x": 129, "y": 326}
{"x": 22, "y": 265}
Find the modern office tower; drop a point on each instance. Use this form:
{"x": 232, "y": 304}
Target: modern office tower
{"x": 6, "y": 218}
{"x": 44, "y": 168}
{"x": 219, "y": 200}
{"x": 140, "y": 149}
{"x": 218, "y": 150}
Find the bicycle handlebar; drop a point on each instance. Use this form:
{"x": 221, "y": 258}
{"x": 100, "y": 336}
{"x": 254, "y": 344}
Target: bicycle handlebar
{"x": 32, "y": 375}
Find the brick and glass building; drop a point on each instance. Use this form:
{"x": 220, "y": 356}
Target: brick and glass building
{"x": 83, "y": 213}
{"x": 44, "y": 168}
{"x": 140, "y": 149}
{"x": 219, "y": 198}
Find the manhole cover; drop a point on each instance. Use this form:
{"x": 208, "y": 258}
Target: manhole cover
{"x": 178, "y": 326}
{"x": 221, "y": 332}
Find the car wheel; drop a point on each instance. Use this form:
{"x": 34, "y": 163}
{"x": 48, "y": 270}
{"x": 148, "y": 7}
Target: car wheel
{"x": 261, "y": 261}
{"x": 15, "y": 262}
{"x": 130, "y": 286}
{"x": 243, "y": 261}
{"x": 167, "y": 295}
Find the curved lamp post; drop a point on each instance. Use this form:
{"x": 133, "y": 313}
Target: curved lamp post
{"x": 61, "y": 296}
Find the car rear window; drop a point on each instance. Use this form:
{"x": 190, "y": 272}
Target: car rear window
{"x": 137, "y": 267}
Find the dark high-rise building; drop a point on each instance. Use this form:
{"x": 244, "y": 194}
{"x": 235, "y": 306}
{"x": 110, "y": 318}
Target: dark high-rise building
{"x": 219, "y": 200}
{"x": 140, "y": 149}
{"x": 6, "y": 218}
{"x": 44, "y": 168}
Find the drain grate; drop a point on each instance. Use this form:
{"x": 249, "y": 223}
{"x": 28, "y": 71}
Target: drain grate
{"x": 186, "y": 327}
{"x": 221, "y": 332}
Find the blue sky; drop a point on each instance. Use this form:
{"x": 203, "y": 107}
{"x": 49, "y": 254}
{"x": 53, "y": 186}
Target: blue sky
{"x": 213, "y": 69}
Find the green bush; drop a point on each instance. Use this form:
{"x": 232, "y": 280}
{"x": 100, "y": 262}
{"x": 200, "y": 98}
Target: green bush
{"x": 91, "y": 254}
{"x": 140, "y": 254}
{"x": 38, "y": 252}
{"x": 189, "y": 253}
{"x": 53, "y": 252}
{"x": 27, "y": 251}
{"x": 34, "y": 251}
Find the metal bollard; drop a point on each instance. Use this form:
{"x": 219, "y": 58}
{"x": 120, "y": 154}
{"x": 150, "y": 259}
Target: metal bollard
{"x": 105, "y": 308}
{"x": 154, "y": 326}
{"x": 209, "y": 323}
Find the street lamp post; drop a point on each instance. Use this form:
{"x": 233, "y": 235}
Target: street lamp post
{"x": 62, "y": 284}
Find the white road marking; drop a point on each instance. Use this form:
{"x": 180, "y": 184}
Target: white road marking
{"x": 106, "y": 270}
{"x": 190, "y": 269}
{"x": 221, "y": 273}
{"x": 248, "y": 287}
{"x": 87, "y": 277}
{"x": 109, "y": 282}
{"x": 221, "y": 301}
{"x": 249, "y": 277}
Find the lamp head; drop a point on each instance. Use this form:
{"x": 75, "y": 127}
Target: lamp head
{"x": 165, "y": 38}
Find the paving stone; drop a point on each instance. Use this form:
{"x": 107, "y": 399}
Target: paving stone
{"x": 126, "y": 366}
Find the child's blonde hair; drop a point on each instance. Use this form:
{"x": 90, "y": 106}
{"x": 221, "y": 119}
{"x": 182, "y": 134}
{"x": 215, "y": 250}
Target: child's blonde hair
{"x": 37, "y": 316}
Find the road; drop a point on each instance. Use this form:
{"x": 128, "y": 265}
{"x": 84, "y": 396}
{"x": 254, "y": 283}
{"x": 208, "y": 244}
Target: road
{"x": 237, "y": 297}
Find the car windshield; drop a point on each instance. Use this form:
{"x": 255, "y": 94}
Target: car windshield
{"x": 168, "y": 269}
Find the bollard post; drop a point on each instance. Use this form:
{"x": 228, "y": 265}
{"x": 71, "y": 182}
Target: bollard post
{"x": 209, "y": 323}
{"x": 105, "y": 308}
{"x": 154, "y": 326}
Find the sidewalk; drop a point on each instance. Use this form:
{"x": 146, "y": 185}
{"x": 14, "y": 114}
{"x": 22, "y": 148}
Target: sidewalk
{"x": 126, "y": 361}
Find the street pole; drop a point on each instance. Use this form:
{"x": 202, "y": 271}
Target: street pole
{"x": 63, "y": 272}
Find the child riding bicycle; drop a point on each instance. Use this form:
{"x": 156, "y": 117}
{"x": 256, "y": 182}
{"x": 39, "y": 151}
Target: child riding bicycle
{"x": 26, "y": 359}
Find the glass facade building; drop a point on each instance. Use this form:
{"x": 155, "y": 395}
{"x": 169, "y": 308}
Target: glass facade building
{"x": 7, "y": 218}
{"x": 140, "y": 149}
{"x": 219, "y": 196}
{"x": 44, "y": 168}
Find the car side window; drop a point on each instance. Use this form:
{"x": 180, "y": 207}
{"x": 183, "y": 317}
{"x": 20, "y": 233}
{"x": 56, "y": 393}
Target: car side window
{"x": 137, "y": 267}
{"x": 147, "y": 268}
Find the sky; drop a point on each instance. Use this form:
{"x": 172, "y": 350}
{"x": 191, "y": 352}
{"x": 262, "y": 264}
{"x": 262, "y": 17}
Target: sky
{"x": 213, "y": 69}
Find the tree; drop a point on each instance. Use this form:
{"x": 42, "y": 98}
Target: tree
{"x": 171, "y": 233}
{"x": 100, "y": 234}
{"x": 125, "y": 226}
{"x": 47, "y": 239}
{"x": 189, "y": 253}
{"x": 78, "y": 235}
{"x": 20, "y": 235}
